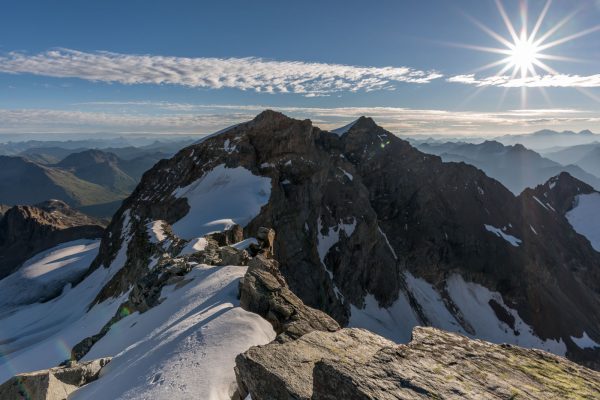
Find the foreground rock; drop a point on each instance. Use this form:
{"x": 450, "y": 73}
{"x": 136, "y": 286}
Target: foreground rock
{"x": 28, "y": 230}
{"x": 355, "y": 364}
{"x": 52, "y": 384}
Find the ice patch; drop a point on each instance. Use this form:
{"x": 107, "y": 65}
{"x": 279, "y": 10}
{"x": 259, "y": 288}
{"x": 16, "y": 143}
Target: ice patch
{"x": 222, "y": 197}
{"x": 509, "y": 238}
{"x": 585, "y": 217}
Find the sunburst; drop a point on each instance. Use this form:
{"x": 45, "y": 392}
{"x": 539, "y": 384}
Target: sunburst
{"x": 524, "y": 49}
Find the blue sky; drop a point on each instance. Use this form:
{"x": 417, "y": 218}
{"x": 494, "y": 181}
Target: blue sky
{"x": 179, "y": 66}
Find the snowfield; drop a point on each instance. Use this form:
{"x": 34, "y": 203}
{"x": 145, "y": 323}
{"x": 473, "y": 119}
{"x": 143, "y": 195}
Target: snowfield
{"x": 473, "y": 303}
{"x": 41, "y": 335}
{"x": 585, "y": 217}
{"x": 45, "y": 275}
{"x": 221, "y": 198}
{"x": 183, "y": 348}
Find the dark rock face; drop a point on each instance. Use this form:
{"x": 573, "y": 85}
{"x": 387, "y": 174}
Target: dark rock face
{"x": 355, "y": 364}
{"x": 354, "y": 213}
{"x": 27, "y": 230}
{"x": 54, "y": 383}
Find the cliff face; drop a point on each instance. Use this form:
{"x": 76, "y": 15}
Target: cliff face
{"x": 368, "y": 224}
{"x": 28, "y": 230}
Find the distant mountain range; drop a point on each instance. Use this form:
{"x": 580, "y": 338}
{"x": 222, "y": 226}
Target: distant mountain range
{"x": 93, "y": 179}
{"x": 547, "y": 139}
{"x": 515, "y": 166}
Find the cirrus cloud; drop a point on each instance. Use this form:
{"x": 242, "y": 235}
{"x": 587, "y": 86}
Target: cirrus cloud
{"x": 541, "y": 81}
{"x": 261, "y": 75}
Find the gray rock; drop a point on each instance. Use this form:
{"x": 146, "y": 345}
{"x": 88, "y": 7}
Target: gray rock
{"x": 354, "y": 364}
{"x": 232, "y": 256}
{"x": 263, "y": 290}
{"x": 52, "y": 384}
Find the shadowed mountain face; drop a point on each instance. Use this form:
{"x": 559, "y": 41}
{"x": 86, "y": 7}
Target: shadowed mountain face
{"x": 368, "y": 224}
{"x": 28, "y": 230}
{"x": 516, "y": 167}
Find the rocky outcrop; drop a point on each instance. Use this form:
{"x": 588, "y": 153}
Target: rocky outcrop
{"x": 263, "y": 290}
{"x": 54, "y": 383}
{"x": 28, "y": 230}
{"x": 355, "y": 364}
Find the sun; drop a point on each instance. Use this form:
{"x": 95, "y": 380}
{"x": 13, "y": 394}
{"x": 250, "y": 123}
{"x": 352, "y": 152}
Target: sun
{"x": 524, "y": 50}
{"x": 524, "y": 54}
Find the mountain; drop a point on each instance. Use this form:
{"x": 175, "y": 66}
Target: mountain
{"x": 25, "y": 182}
{"x": 99, "y": 167}
{"x": 370, "y": 223}
{"x": 93, "y": 180}
{"x": 28, "y": 230}
{"x": 256, "y": 234}
{"x": 516, "y": 167}
{"x": 546, "y": 139}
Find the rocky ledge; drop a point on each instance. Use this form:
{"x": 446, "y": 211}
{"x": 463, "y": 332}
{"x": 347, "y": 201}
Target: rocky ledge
{"x": 54, "y": 383}
{"x": 355, "y": 364}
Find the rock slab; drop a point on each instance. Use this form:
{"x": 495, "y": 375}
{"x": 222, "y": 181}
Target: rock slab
{"x": 54, "y": 383}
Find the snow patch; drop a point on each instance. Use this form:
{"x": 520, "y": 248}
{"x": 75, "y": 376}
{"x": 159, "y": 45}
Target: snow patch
{"x": 41, "y": 335}
{"x": 244, "y": 244}
{"x": 193, "y": 246}
{"x": 344, "y": 129}
{"x": 220, "y": 198}
{"x": 327, "y": 241}
{"x": 540, "y": 202}
{"x": 45, "y": 274}
{"x": 584, "y": 342}
{"x": 395, "y": 323}
{"x": 387, "y": 241}
{"x": 585, "y": 217}
{"x": 509, "y": 238}
{"x": 474, "y": 302}
{"x": 348, "y": 175}
{"x": 156, "y": 231}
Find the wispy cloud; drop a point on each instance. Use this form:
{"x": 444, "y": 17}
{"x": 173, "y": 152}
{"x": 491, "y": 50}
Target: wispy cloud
{"x": 167, "y": 117}
{"x": 309, "y": 79}
{"x": 541, "y": 81}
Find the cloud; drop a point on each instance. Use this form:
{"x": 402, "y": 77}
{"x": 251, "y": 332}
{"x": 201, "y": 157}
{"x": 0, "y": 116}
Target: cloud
{"x": 541, "y": 81}
{"x": 167, "y": 117}
{"x": 261, "y": 75}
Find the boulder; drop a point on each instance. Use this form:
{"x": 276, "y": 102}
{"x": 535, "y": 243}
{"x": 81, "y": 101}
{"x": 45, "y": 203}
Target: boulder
{"x": 54, "y": 383}
{"x": 263, "y": 290}
{"x": 355, "y": 364}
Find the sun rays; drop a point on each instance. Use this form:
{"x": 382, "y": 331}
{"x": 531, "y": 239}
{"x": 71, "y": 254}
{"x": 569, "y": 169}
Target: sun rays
{"x": 523, "y": 51}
